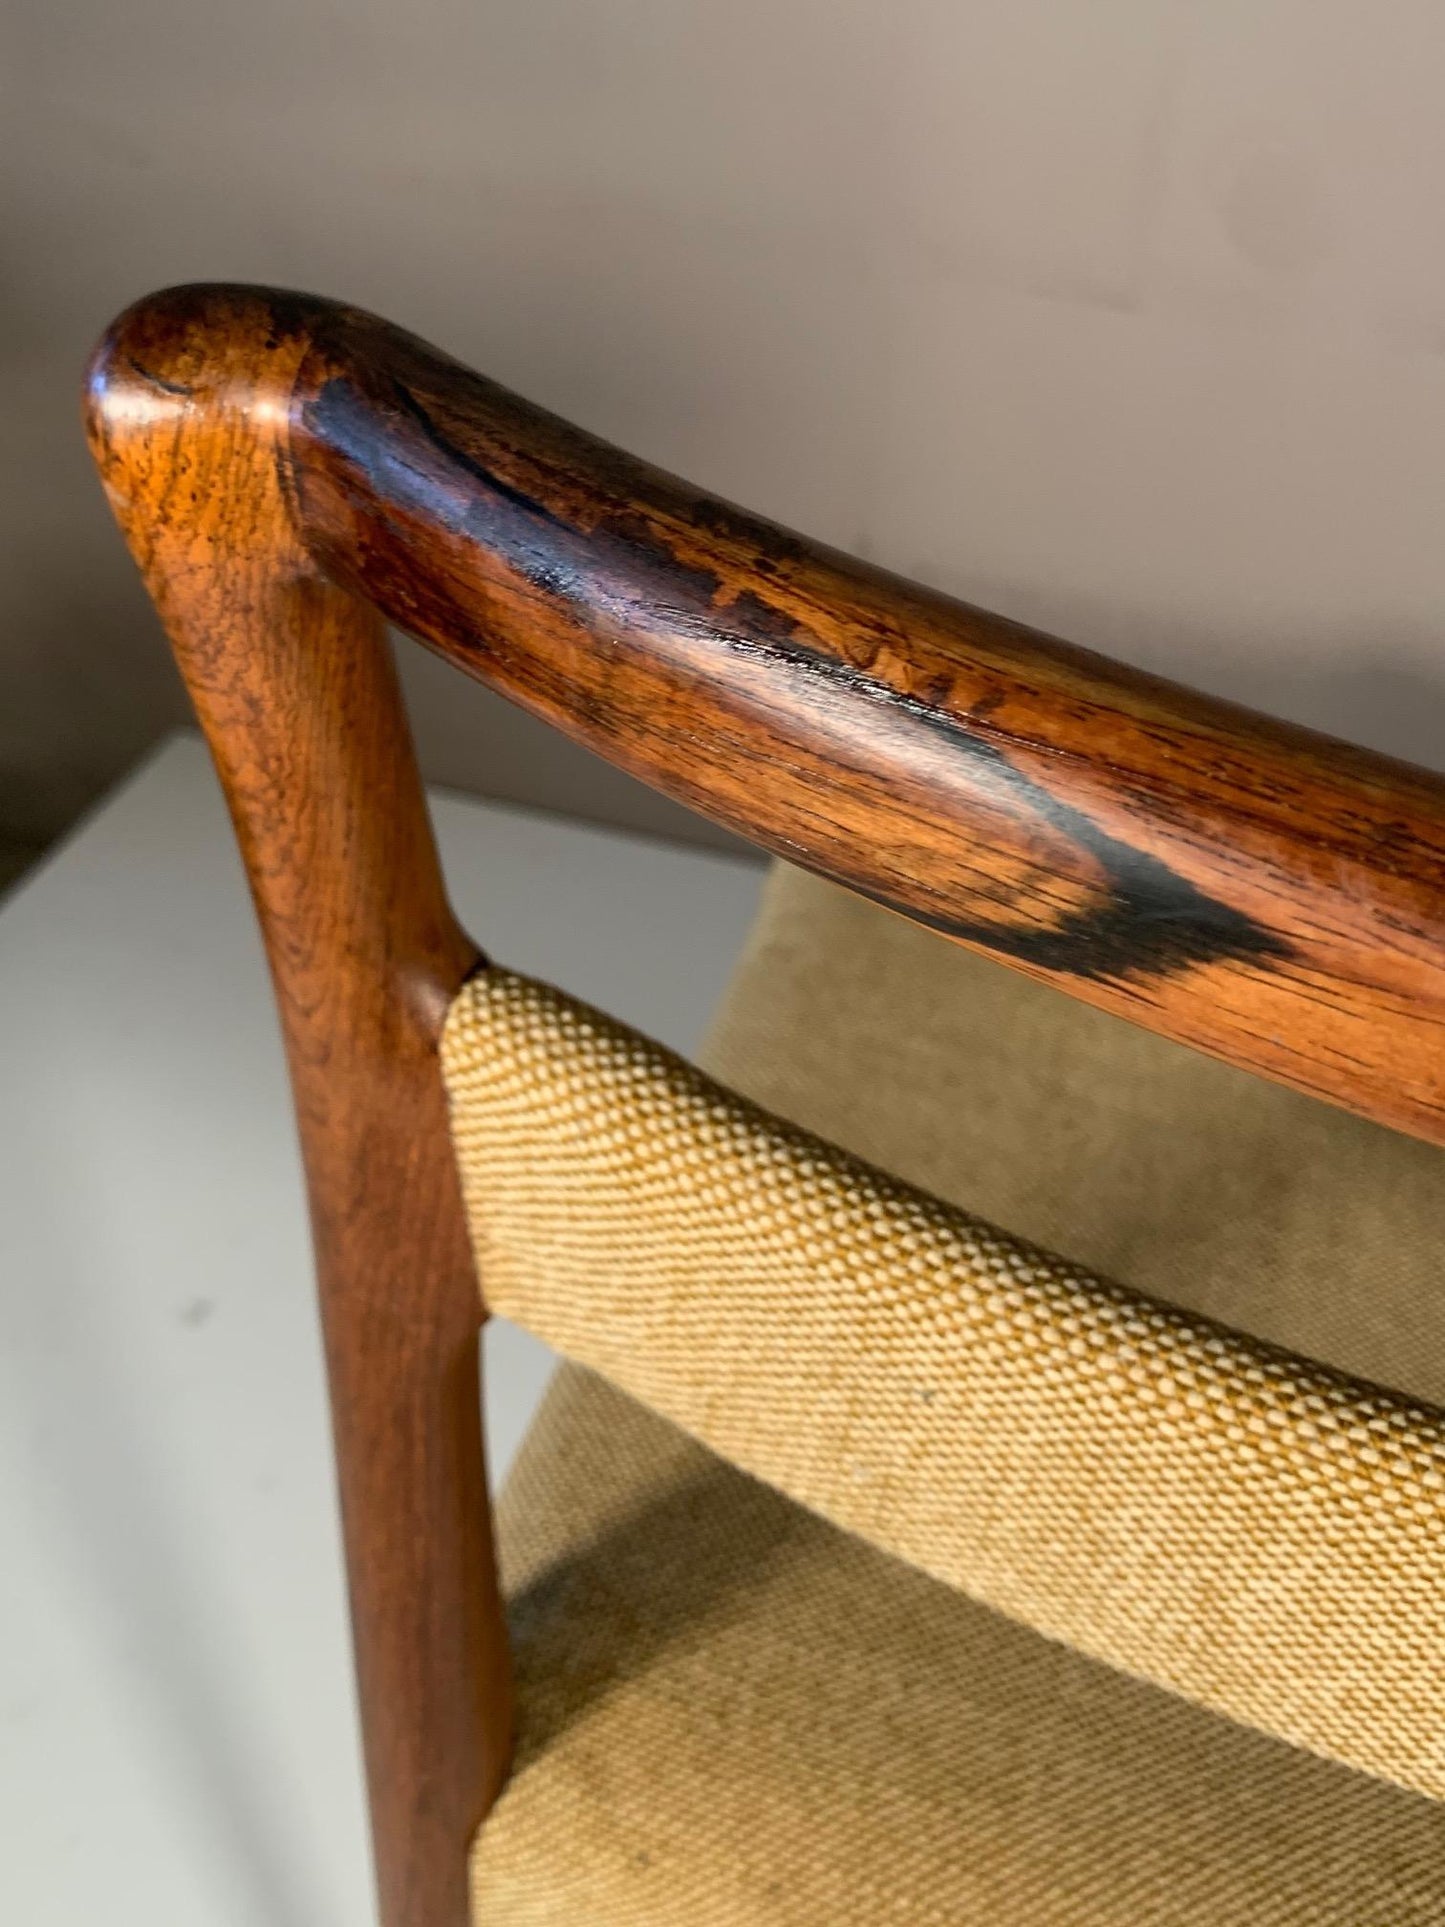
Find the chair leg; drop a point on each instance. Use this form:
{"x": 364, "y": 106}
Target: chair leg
{"x": 293, "y": 681}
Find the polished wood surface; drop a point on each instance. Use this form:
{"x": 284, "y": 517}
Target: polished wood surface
{"x": 1258, "y": 891}
{"x": 284, "y": 469}
{"x": 295, "y": 687}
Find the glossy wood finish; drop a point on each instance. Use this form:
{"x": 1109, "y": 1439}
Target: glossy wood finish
{"x": 284, "y": 468}
{"x": 1255, "y": 890}
{"x": 294, "y": 684}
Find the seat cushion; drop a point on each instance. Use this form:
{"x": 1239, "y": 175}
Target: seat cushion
{"x": 733, "y": 1715}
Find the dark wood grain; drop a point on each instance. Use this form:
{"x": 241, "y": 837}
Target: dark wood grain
{"x": 1255, "y": 890}
{"x": 294, "y": 685}
{"x": 285, "y": 468}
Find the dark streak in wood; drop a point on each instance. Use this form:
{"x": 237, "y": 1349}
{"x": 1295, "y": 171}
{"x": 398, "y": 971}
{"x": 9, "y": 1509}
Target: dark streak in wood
{"x": 284, "y": 469}
{"x": 1151, "y": 923}
{"x": 1255, "y": 890}
{"x": 156, "y": 381}
{"x": 1252, "y": 889}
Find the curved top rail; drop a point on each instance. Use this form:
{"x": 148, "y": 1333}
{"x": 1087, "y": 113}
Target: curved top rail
{"x": 1253, "y": 889}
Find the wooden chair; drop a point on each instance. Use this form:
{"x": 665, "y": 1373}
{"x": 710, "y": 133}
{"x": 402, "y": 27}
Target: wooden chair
{"x": 912, "y": 1574}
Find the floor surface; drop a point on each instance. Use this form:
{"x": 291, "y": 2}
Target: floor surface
{"x": 177, "y": 1727}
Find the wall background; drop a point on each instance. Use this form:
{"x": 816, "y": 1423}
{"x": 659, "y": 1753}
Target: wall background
{"x": 1123, "y": 316}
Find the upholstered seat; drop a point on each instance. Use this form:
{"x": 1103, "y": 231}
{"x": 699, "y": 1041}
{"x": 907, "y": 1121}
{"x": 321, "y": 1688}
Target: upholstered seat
{"x": 732, "y": 1712}
{"x": 733, "y": 1715}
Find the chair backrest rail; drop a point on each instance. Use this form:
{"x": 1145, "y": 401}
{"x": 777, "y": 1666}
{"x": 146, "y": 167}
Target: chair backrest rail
{"x": 1252, "y": 889}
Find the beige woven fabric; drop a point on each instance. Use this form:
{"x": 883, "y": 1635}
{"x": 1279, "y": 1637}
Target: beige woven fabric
{"x": 1146, "y": 1161}
{"x": 733, "y": 1715}
{"x": 1259, "y": 1534}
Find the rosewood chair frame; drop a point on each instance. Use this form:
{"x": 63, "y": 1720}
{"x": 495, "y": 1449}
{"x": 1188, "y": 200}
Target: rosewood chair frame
{"x": 291, "y": 474}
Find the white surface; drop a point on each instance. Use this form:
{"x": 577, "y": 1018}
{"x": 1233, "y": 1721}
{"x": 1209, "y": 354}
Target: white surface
{"x": 177, "y": 1738}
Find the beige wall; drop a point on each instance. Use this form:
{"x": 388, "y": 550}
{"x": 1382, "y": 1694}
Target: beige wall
{"x": 1125, "y": 316}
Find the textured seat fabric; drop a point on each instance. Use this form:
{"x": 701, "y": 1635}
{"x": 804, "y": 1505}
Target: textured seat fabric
{"x": 734, "y": 1715}
{"x": 1142, "y": 1485}
{"x": 1147, "y": 1162}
